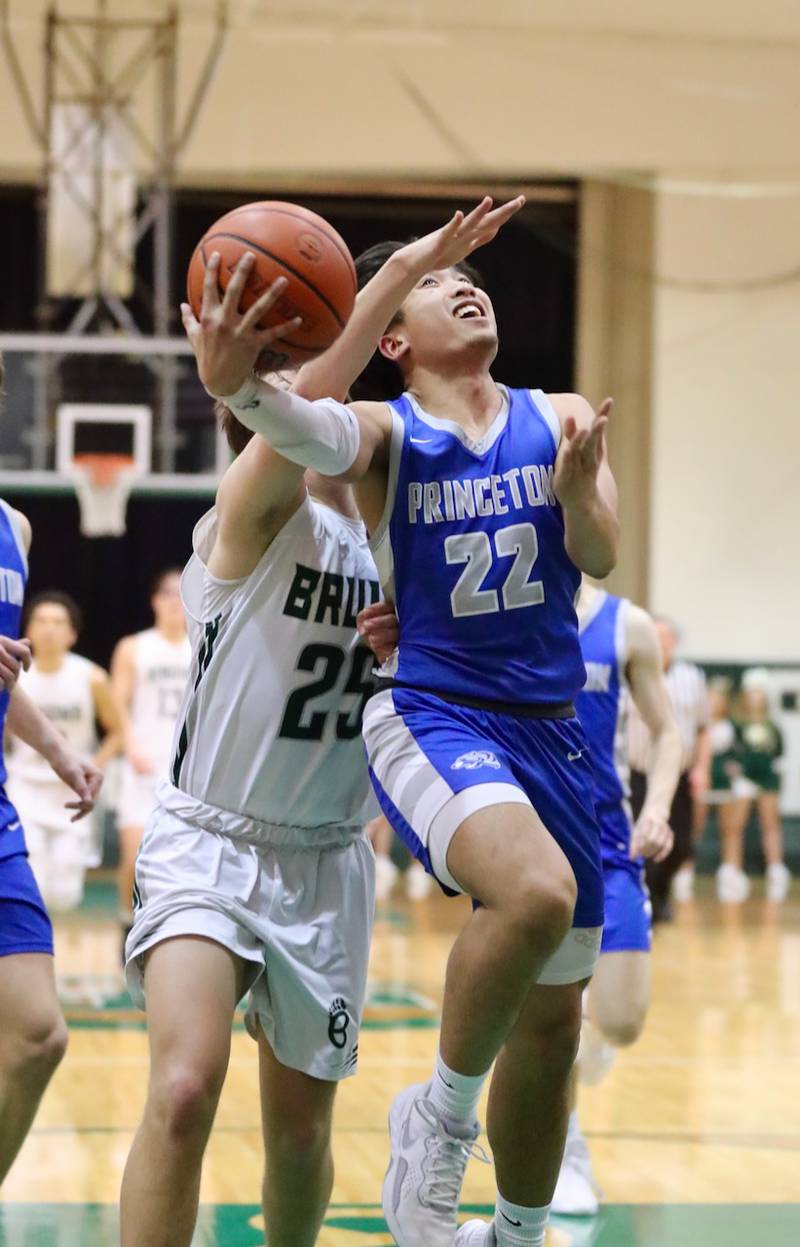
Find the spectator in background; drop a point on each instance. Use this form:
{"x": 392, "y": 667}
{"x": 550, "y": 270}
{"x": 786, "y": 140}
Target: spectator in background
{"x": 760, "y": 746}
{"x": 686, "y": 686}
{"x": 726, "y": 769}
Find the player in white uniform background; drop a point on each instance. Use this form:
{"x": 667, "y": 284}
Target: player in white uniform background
{"x": 149, "y": 670}
{"x": 75, "y": 695}
{"x": 254, "y": 870}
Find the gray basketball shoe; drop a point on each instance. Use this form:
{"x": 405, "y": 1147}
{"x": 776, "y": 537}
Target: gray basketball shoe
{"x": 426, "y": 1171}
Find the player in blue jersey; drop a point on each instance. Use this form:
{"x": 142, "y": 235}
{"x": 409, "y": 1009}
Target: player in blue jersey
{"x": 621, "y": 653}
{"x": 484, "y": 506}
{"x": 622, "y": 657}
{"x": 34, "y": 1035}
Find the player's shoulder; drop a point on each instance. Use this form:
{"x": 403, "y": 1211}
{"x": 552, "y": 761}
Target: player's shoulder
{"x": 126, "y": 646}
{"x": 640, "y": 633}
{"x": 379, "y": 415}
{"x": 25, "y": 529}
{"x": 328, "y": 521}
{"x": 574, "y": 405}
{"x": 86, "y": 669}
{"x": 19, "y": 523}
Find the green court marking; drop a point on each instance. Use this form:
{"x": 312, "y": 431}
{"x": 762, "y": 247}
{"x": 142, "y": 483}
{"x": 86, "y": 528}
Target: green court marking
{"x": 118, "y": 1012}
{"x": 362, "y": 1225}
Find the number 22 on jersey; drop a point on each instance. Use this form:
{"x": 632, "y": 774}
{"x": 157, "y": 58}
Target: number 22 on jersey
{"x": 517, "y": 541}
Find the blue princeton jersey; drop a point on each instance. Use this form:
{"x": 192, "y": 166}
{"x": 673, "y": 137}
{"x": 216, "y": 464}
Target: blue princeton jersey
{"x": 13, "y": 575}
{"x": 471, "y": 548}
{"x": 602, "y": 709}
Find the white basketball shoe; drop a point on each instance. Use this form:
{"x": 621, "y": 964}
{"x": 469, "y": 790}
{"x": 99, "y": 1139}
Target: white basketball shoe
{"x": 733, "y": 886}
{"x": 683, "y": 884}
{"x": 576, "y": 1192}
{"x": 476, "y": 1234}
{"x": 779, "y": 880}
{"x": 426, "y": 1171}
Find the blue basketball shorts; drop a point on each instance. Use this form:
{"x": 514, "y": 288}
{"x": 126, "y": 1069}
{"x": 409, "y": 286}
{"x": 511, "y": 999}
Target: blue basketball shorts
{"x": 628, "y": 921}
{"x": 24, "y": 922}
{"x": 432, "y": 764}
{"x": 628, "y": 926}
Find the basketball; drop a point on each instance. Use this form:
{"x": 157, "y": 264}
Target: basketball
{"x": 292, "y": 242}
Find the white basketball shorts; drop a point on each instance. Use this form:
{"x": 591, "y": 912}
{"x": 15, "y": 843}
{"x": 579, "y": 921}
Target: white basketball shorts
{"x": 58, "y": 849}
{"x": 136, "y": 798}
{"x": 299, "y": 917}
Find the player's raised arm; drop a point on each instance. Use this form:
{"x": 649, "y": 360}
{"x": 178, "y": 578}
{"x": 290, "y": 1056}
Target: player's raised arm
{"x": 323, "y": 435}
{"x": 585, "y": 486}
{"x": 326, "y": 435}
{"x": 332, "y": 373}
{"x": 652, "y": 836}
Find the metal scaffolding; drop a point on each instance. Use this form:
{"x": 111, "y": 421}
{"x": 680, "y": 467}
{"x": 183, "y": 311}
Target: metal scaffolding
{"x": 106, "y": 63}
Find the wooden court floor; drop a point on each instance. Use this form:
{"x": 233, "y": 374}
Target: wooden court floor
{"x": 695, "y": 1134}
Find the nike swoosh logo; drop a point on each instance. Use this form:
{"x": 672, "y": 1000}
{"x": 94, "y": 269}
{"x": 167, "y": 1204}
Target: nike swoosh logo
{"x": 508, "y": 1219}
{"x": 420, "y": 441}
{"x": 573, "y": 757}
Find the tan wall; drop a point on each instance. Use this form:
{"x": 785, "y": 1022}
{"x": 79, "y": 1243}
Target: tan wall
{"x": 614, "y": 352}
{"x": 463, "y": 89}
{"x": 725, "y": 514}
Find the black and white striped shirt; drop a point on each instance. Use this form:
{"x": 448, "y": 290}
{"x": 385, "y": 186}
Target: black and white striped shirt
{"x": 686, "y": 686}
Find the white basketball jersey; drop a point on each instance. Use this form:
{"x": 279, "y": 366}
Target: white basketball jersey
{"x": 271, "y": 721}
{"x": 161, "y": 669}
{"x": 65, "y": 698}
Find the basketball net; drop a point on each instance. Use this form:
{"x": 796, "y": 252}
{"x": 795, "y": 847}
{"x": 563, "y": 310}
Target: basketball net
{"x": 103, "y": 484}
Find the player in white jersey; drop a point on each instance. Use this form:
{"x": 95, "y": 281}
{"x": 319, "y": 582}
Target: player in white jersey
{"x": 75, "y": 695}
{"x": 149, "y": 671}
{"x": 254, "y": 871}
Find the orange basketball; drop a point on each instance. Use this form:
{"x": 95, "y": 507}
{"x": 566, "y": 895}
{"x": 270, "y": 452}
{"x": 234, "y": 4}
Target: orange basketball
{"x": 287, "y": 241}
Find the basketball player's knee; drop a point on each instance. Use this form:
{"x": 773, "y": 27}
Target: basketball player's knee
{"x": 621, "y": 1026}
{"x": 542, "y": 908}
{"x": 34, "y": 1053}
{"x": 186, "y": 1100}
{"x": 300, "y": 1140}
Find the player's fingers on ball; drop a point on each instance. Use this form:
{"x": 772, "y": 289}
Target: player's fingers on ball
{"x": 188, "y": 318}
{"x": 237, "y": 283}
{"x": 570, "y": 428}
{"x": 275, "y": 332}
{"x": 211, "y": 285}
{"x": 263, "y": 304}
{"x": 606, "y": 407}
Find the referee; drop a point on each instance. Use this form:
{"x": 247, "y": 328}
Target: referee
{"x": 686, "y": 686}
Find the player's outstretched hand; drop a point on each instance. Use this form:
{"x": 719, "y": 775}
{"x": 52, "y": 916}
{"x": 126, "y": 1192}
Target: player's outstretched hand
{"x": 82, "y": 777}
{"x": 15, "y": 656}
{"x": 652, "y": 837}
{"x": 460, "y": 236}
{"x": 378, "y": 626}
{"x": 580, "y": 457}
{"x": 226, "y": 341}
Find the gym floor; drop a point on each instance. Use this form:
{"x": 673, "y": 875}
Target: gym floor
{"x": 695, "y": 1134}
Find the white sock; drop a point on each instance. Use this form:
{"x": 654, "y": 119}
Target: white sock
{"x": 515, "y": 1226}
{"x": 455, "y": 1096}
